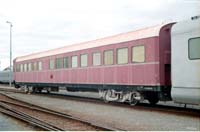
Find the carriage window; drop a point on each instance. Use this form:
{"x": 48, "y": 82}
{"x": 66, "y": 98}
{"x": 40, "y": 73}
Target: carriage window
{"x": 194, "y": 48}
{"x": 51, "y": 64}
{"x": 74, "y": 61}
{"x": 66, "y": 63}
{"x": 58, "y": 63}
{"x": 96, "y": 59}
{"x": 84, "y": 61}
{"x": 108, "y": 57}
{"x": 35, "y": 66}
{"x": 25, "y": 67}
{"x": 122, "y": 56}
{"x": 32, "y": 66}
{"x": 29, "y": 67}
{"x": 138, "y": 54}
{"x": 21, "y": 68}
{"x": 18, "y": 68}
{"x": 39, "y": 65}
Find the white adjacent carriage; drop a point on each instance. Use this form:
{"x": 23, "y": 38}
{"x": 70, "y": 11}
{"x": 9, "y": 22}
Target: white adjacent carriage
{"x": 5, "y": 76}
{"x": 185, "y": 45}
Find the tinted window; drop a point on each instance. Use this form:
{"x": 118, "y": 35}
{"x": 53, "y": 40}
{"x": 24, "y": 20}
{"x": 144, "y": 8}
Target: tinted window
{"x": 108, "y": 57}
{"x": 51, "y": 64}
{"x": 25, "y": 67}
{"x": 18, "y": 68}
{"x": 74, "y": 61}
{"x": 122, "y": 56}
{"x": 35, "y": 66}
{"x": 66, "y": 63}
{"x": 138, "y": 54}
{"x": 84, "y": 60}
{"x": 21, "y": 67}
{"x": 32, "y": 66}
{"x": 58, "y": 63}
{"x": 39, "y": 65}
{"x": 194, "y": 48}
{"x": 29, "y": 67}
{"x": 96, "y": 59}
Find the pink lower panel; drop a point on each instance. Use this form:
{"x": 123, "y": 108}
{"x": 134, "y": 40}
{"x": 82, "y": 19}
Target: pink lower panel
{"x": 140, "y": 74}
{"x": 95, "y": 75}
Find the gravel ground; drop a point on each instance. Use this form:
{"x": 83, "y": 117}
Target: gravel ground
{"x": 115, "y": 116}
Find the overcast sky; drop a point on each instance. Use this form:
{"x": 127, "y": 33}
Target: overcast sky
{"x": 40, "y": 25}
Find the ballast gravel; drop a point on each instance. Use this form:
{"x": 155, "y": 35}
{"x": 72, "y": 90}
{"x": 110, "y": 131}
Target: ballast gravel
{"x": 116, "y": 116}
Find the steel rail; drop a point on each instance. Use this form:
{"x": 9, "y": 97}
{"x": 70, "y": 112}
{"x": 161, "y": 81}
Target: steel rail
{"x": 4, "y": 108}
{"x": 159, "y": 107}
{"x": 49, "y": 111}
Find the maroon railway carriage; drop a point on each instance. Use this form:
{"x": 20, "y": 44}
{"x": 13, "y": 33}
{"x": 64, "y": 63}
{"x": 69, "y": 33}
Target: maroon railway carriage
{"x": 126, "y": 67}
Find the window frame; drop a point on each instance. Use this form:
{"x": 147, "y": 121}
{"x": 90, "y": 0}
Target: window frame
{"x": 132, "y": 54}
{"x": 30, "y": 67}
{"x": 72, "y": 61}
{"x": 189, "y": 49}
{"x": 81, "y": 60}
{"x": 38, "y": 63}
{"x": 35, "y": 66}
{"x": 53, "y": 67}
{"x": 61, "y": 66}
{"x": 25, "y": 67}
{"x": 117, "y": 56}
{"x": 64, "y": 58}
{"x": 104, "y": 57}
{"x": 21, "y": 67}
{"x": 17, "y": 67}
{"x": 93, "y": 58}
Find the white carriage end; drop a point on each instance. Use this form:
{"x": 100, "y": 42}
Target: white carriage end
{"x": 186, "y": 70}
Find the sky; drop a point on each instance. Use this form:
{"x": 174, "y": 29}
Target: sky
{"x": 40, "y": 25}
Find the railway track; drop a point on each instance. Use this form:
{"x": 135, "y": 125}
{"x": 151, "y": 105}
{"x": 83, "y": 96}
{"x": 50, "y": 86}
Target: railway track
{"x": 6, "y": 109}
{"x": 142, "y": 106}
{"x": 45, "y": 118}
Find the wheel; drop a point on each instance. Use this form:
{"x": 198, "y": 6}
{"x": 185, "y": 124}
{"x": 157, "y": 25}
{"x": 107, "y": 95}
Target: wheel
{"x": 33, "y": 90}
{"x": 48, "y": 90}
{"x": 38, "y": 90}
{"x": 153, "y": 100}
{"x": 30, "y": 89}
{"x": 133, "y": 101}
{"x": 26, "y": 89}
{"x": 106, "y": 96}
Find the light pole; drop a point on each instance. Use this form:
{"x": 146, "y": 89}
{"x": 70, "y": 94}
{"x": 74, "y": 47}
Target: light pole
{"x": 10, "y": 51}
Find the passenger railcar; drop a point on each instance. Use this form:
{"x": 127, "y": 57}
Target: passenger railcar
{"x": 128, "y": 67}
